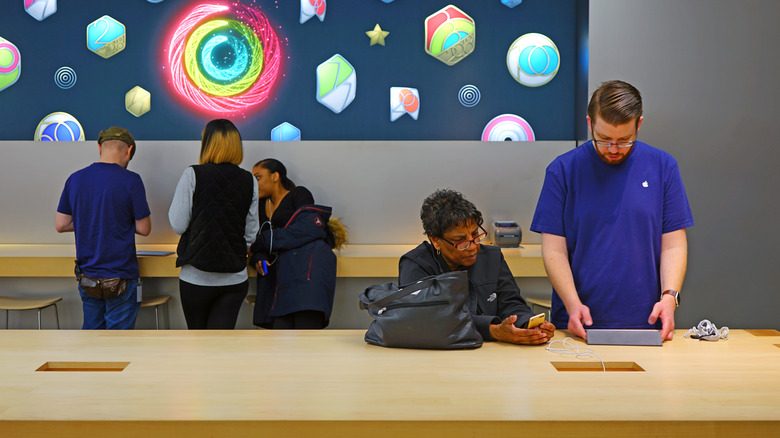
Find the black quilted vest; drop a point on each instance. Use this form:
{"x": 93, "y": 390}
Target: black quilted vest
{"x": 214, "y": 241}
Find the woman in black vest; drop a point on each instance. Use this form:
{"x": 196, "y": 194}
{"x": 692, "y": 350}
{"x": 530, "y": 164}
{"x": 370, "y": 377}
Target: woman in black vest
{"x": 292, "y": 255}
{"x": 214, "y": 209}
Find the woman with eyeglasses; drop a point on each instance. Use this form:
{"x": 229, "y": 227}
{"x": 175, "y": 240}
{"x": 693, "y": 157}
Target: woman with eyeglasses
{"x": 454, "y": 229}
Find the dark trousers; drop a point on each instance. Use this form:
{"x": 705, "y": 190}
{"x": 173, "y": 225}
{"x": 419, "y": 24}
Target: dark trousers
{"x": 305, "y": 319}
{"x": 212, "y": 307}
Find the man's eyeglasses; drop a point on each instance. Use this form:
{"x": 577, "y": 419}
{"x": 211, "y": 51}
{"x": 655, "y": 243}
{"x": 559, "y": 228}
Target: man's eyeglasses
{"x": 466, "y": 244}
{"x": 608, "y": 144}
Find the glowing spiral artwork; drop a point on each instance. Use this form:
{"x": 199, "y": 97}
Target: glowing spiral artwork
{"x": 224, "y": 59}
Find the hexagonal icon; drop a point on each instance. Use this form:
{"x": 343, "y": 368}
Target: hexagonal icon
{"x": 336, "y": 83}
{"x": 450, "y": 35}
{"x": 286, "y": 132}
{"x": 138, "y": 101}
{"x": 106, "y": 36}
{"x": 40, "y": 9}
{"x": 10, "y": 63}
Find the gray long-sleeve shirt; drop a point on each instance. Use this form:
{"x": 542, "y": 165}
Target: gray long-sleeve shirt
{"x": 180, "y": 215}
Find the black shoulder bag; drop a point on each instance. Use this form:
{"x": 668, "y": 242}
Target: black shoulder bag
{"x": 431, "y": 313}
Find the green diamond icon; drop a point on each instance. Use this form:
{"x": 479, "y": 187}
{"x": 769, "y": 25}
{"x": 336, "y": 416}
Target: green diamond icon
{"x": 336, "y": 83}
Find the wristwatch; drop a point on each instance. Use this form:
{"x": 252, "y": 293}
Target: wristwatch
{"x": 673, "y": 293}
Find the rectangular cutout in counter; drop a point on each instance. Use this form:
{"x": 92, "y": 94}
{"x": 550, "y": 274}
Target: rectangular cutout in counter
{"x": 596, "y": 366}
{"x": 83, "y": 366}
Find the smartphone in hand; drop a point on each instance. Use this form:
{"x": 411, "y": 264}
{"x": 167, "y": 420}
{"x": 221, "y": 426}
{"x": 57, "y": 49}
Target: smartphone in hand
{"x": 536, "y": 321}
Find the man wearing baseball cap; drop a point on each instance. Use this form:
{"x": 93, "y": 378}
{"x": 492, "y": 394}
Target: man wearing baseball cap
{"x": 104, "y": 204}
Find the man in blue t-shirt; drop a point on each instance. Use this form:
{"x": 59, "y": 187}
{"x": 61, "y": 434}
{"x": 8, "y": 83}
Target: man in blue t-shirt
{"x": 613, "y": 214}
{"x": 105, "y": 205}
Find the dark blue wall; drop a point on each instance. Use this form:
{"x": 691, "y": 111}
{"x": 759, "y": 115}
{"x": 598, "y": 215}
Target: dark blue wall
{"x": 97, "y": 99}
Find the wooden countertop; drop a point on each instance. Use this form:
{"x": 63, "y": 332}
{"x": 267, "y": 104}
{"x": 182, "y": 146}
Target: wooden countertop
{"x": 331, "y": 383}
{"x": 50, "y": 260}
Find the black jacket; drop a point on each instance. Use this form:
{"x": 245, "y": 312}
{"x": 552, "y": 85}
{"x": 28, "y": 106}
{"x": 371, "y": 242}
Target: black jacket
{"x": 493, "y": 293}
{"x": 302, "y": 275}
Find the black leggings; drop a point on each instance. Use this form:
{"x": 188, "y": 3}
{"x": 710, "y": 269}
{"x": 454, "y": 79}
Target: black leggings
{"x": 212, "y": 307}
{"x": 305, "y": 319}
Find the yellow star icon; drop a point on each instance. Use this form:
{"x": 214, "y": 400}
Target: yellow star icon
{"x": 377, "y": 35}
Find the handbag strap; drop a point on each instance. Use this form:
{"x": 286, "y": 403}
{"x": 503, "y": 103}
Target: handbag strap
{"x": 408, "y": 290}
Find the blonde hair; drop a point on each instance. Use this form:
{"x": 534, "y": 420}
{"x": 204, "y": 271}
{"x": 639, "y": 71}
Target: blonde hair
{"x": 221, "y": 143}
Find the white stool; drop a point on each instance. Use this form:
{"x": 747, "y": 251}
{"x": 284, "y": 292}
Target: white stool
{"x": 14, "y": 303}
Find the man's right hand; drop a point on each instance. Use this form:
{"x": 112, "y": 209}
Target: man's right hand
{"x": 578, "y": 316}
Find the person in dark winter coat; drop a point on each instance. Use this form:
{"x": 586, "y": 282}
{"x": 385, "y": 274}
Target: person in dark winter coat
{"x": 293, "y": 254}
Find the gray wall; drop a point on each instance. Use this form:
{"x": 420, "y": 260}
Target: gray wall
{"x": 707, "y": 71}
{"x": 375, "y": 187}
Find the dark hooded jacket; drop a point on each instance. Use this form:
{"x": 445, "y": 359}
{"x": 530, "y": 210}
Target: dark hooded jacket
{"x": 302, "y": 271}
{"x": 493, "y": 292}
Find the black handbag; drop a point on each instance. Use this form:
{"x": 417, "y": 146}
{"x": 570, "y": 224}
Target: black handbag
{"x": 431, "y": 313}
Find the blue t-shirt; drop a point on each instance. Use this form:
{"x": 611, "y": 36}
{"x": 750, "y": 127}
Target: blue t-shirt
{"x": 612, "y": 217}
{"x": 105, "y": 200}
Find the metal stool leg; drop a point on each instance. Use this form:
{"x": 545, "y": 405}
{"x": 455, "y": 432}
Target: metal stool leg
{"x": 39, "y": 319}
{"x": 156, "y": 318}
{"x": 57, "y": 314}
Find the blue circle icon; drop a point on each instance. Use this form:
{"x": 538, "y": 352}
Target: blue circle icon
{"x": 533, "y": 59}
{"x": 59, "y": 126}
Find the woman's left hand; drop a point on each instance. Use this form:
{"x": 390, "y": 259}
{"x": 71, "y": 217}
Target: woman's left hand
{"x": 261, "y": 267}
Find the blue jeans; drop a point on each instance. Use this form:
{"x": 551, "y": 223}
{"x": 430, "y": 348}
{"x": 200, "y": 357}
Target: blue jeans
{"x": 116, "y": 314}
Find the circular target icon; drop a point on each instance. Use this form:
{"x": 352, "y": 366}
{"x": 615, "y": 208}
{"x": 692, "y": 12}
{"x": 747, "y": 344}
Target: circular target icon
{"x": 65, "y": 77}
{"x": 469, "y": 95}
{"x": 508, "y": 127}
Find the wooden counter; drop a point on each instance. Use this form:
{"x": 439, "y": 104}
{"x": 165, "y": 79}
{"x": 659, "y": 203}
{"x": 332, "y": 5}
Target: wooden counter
{"x": 39, "y": 260}
{"x": 331, "y": 383}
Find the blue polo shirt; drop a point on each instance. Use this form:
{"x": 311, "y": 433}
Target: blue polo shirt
{"x": 105, "y": 200}
{"x": 613, "y": 217}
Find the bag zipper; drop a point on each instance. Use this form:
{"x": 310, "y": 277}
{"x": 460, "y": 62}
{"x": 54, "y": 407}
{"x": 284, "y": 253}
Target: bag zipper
{"x": 399, "y": 305}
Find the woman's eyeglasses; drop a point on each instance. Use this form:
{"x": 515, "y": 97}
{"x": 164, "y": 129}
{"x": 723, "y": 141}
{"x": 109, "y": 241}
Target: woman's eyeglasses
{"x": 466, "y": 244}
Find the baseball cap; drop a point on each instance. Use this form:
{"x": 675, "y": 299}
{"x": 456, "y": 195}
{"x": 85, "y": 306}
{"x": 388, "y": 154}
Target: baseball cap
{"x": 117, "y": 133}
